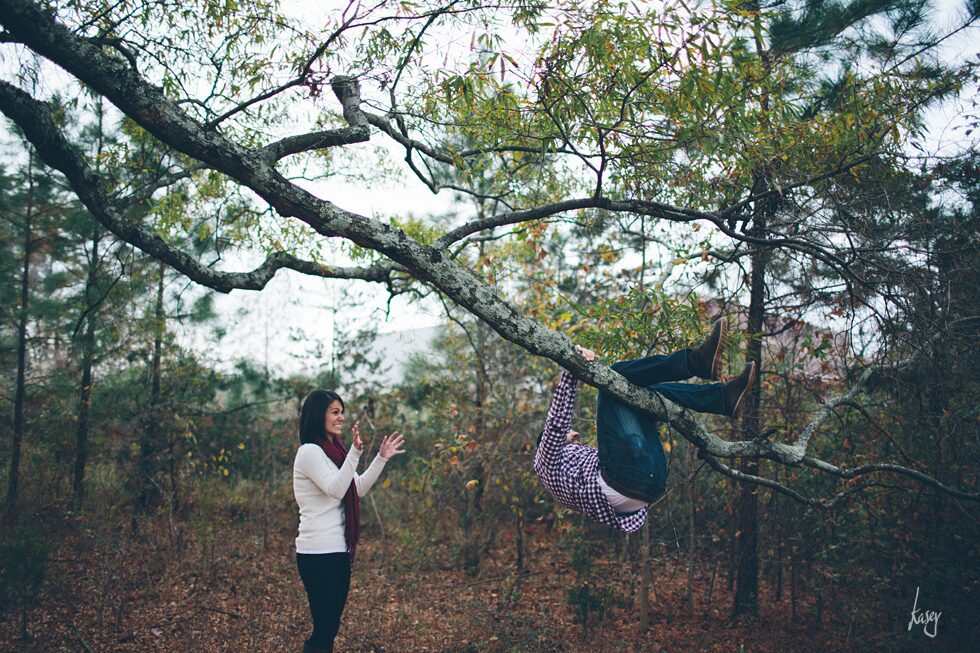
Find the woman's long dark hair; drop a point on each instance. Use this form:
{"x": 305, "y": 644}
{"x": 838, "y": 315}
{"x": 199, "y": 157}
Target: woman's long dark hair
{"x": 311, "y": 426}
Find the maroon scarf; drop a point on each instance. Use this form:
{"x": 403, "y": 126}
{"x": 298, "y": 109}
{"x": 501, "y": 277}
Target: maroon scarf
{"x": 336, "y": 452}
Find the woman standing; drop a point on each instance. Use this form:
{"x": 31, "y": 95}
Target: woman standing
{"x": 327, "y": 489}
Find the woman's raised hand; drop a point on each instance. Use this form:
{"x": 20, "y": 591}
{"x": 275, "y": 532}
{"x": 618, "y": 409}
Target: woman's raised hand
{"x": 358, "y": 443}
{"x": 392, "y": 446}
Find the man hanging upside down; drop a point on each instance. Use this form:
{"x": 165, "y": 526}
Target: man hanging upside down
{"x": 614, "y": 484}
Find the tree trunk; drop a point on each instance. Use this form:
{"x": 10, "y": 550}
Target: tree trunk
{"x": 747, "y": 535}
{"x": 645, "y": 577}
{"x": 692, "y": 539}
{"x": 88, "y": 343}
{"x": 172, "y": 470}
{"x": 747, "y": 581}
{"x": 732, "y": 520}
{"x": 747, "y": 544}
{"x": 150, "y": 439}
{"x": 480, "y": 390}
{"x": 88, "y": 356}
{"x": 20, "y": 391}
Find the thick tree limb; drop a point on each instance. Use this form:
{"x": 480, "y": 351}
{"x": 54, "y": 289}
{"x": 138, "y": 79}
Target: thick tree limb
{"x": 652, "y": 209}
{"x": 163, "y": 118}
{"x": 848, "y": 474}
{"x": 513, "y": 217}
{"x": 743, "y": 477}
{"x": 721, "y": 219}
{"x": 160, "y": 116}
{"x": 37, "y": 121}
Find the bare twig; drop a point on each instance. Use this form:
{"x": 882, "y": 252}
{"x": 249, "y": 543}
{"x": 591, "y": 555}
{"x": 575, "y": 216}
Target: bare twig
{"x": 220, "y": 611}
{"x": 78, "y": 636}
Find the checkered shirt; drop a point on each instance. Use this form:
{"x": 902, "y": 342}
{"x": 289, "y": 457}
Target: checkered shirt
{"x": 571, "y": 471}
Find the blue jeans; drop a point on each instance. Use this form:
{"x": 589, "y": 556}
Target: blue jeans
{"x": 630, "y": 455}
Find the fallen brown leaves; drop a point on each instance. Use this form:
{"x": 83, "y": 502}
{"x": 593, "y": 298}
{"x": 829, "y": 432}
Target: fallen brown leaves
{"x": 114, "y": 592}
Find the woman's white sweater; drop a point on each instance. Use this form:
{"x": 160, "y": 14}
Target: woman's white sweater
{"x": 319, "y": 486}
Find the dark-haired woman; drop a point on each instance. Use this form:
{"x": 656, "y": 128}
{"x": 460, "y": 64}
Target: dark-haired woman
{"x": 327, "y": 489}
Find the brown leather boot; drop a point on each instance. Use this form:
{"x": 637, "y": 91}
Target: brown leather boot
{"x": 705, "y": 359}
{"x": 738, "y": 389}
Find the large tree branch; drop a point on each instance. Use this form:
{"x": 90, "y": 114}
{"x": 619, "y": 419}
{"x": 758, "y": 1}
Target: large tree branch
{"x": 160, "y": 116}
{"x": 38, "y": 123}
{"x": 513, "y": 217}
{"x": 652, "y": 209}
{"x": 150, "y": 108}
{"x": 723, "y": 220}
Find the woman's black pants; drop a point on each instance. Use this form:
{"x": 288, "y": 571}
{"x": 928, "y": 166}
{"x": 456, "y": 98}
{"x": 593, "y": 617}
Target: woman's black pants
{"x": 326, "y": 577}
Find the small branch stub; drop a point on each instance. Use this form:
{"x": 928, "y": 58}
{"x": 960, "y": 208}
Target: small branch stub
{"x": 348, "y": 91}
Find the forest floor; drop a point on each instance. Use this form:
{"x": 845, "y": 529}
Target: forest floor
{"x": 236, "y": 589}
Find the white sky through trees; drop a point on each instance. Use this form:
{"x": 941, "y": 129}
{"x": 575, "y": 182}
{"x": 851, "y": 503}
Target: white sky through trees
{"x": 294, "y": 313}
